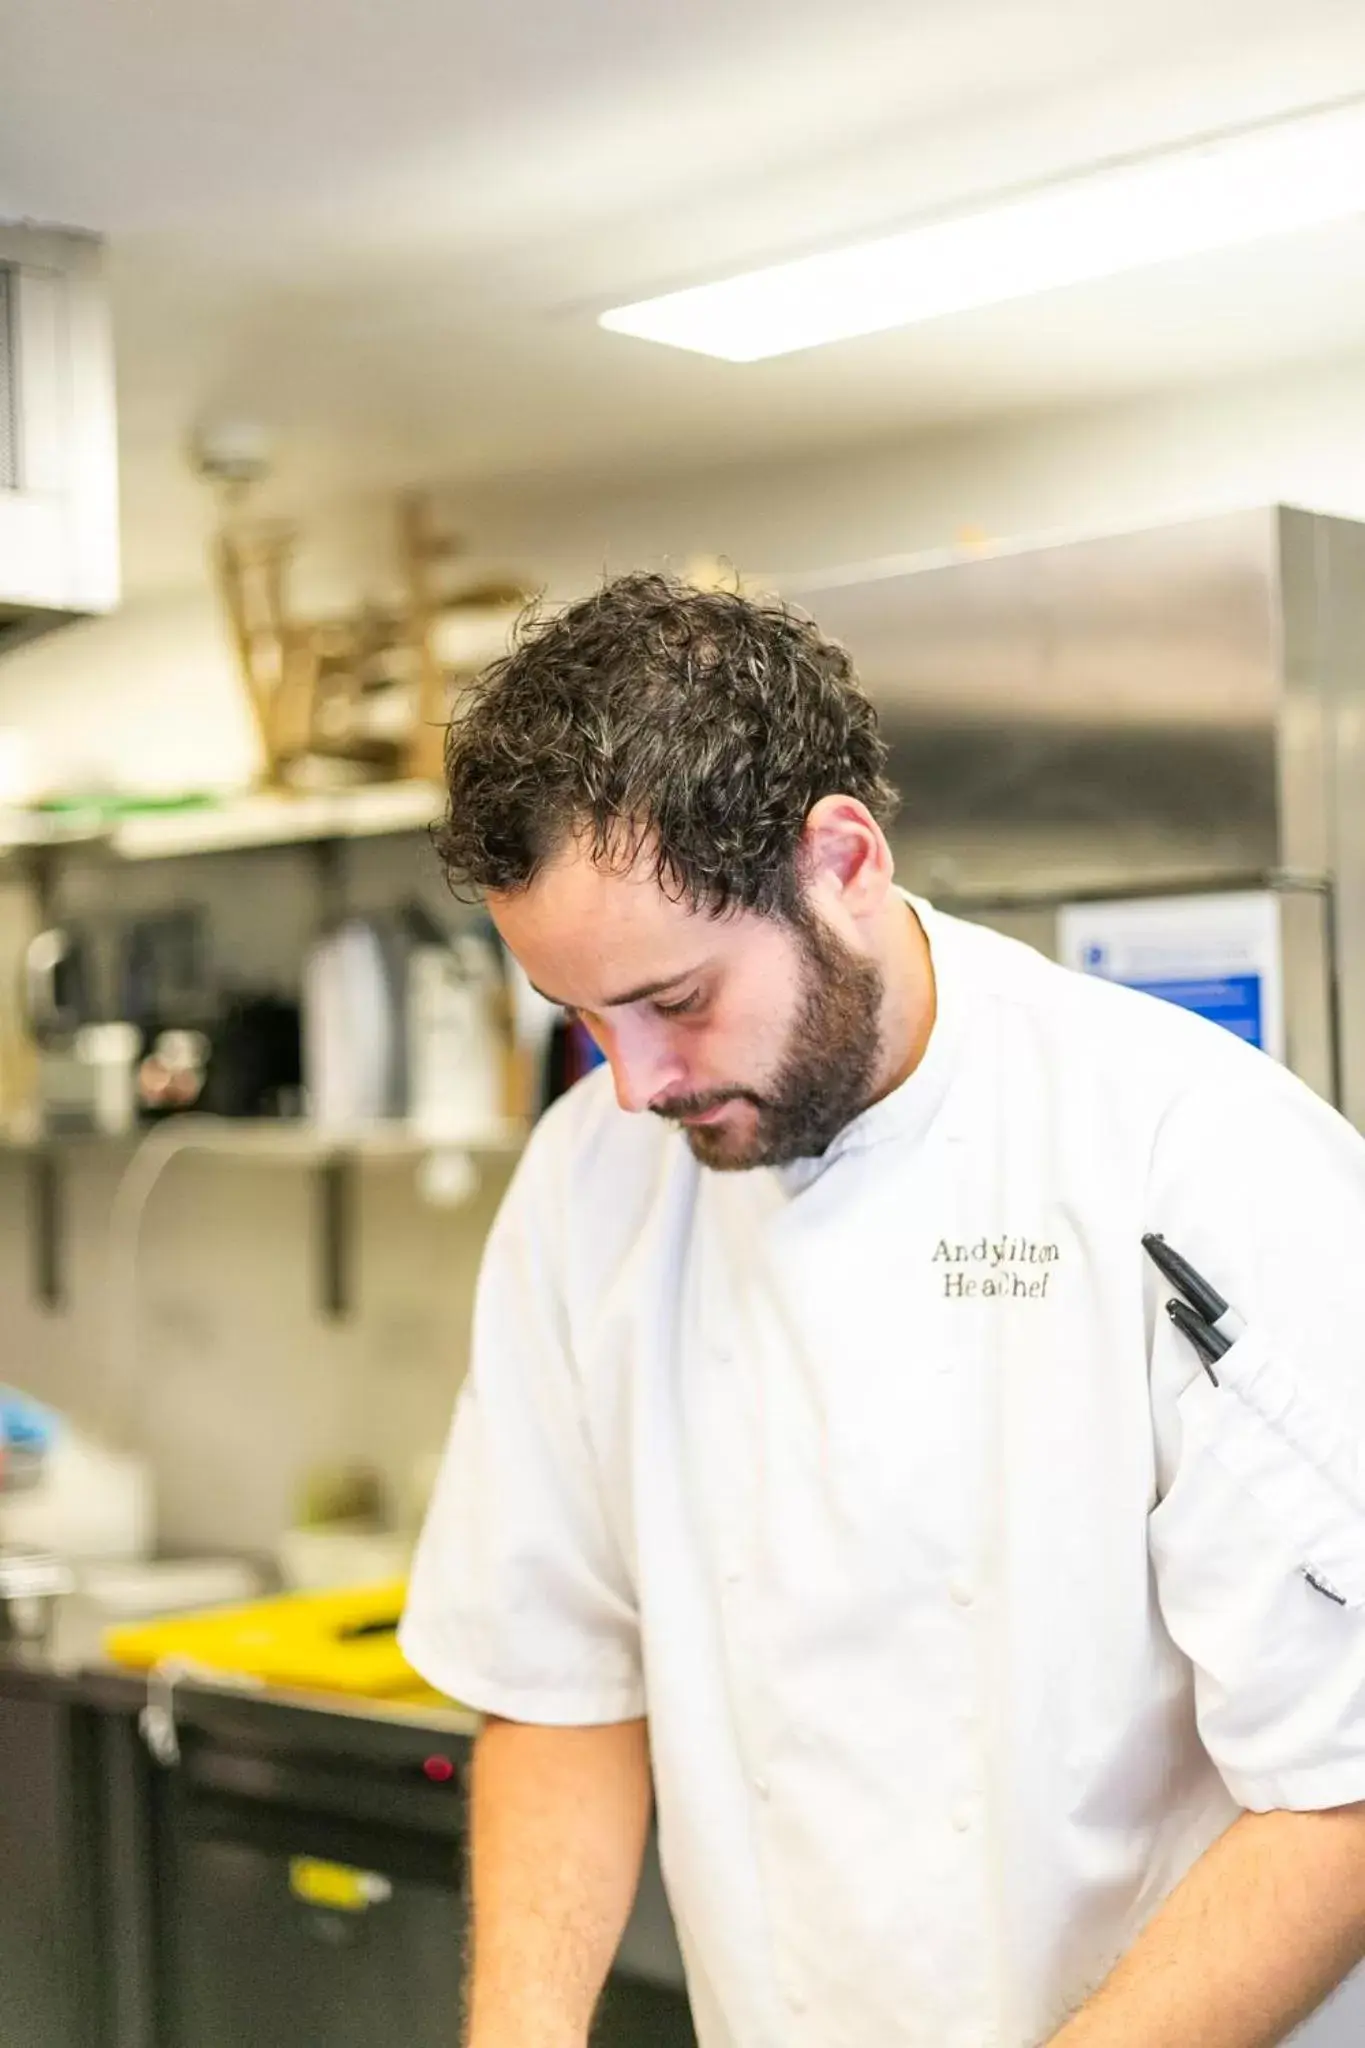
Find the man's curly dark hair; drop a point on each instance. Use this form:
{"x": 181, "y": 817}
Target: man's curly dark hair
{"x": 697, "y": 726}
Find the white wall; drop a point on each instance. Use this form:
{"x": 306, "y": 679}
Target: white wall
{"x": 146, "y": 700}
{"x": 238, "y": 1385}
{"x": 1298, "y": 437}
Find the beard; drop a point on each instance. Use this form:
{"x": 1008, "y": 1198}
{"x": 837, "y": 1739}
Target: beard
{"x": 825, "y": 1076}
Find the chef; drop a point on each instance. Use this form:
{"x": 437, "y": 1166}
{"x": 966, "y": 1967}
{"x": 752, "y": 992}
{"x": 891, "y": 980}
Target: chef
{"x": 829, "y": 1475}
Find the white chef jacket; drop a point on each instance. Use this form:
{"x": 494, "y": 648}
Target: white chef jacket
{"x": 966, "y": 1611}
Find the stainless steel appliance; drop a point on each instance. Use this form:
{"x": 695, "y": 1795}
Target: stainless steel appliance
{"x": 1177, "y": 709}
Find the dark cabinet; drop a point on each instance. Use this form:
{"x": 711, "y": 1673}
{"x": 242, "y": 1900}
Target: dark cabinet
{"x": 306, "y": 1899}
{"x": 48, "y": 1935}
{"x": 312, "y": 1904}
{"x": 294, "y": 1881}
{"x": 252, "y": 1960}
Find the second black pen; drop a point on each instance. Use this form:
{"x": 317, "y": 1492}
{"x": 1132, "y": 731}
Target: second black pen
{"x": 1208, "y": 1342}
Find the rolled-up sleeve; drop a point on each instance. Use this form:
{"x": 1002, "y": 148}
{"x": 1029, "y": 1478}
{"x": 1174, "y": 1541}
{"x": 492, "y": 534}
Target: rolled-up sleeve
{"x": 520, "y": 1603}
{"x": 1258, "y": 1538}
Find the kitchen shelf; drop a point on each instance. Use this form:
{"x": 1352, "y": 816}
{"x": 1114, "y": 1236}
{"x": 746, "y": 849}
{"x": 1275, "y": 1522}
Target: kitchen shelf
{"x": 254, "y": 819}
{"x": 269, "y": 818}
{"x": 284, "y": 1139}
{"x": 24, "y": 831}
{"x": 36, "y": 840}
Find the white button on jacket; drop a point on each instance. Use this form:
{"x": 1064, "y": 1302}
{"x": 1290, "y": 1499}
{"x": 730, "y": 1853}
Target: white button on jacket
{"x": 995, "y": 1527}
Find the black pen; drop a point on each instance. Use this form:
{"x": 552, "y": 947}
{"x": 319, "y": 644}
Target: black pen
{"x": 1215, "y": 1311}
{"x": 1209, "y": 1343}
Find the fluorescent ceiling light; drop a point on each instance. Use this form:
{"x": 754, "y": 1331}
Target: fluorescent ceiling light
{"x": 1234, "y": 189}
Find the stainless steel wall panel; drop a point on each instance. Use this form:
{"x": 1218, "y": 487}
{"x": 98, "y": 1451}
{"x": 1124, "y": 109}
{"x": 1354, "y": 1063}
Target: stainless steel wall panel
{"x": 1127, "y": 713}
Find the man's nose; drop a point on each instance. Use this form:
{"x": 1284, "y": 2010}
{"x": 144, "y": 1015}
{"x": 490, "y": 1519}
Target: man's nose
{"x": 643, "y": 1068}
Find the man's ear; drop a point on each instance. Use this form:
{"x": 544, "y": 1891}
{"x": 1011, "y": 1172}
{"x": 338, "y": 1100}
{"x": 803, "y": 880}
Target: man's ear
{"x": 844, "y": 860}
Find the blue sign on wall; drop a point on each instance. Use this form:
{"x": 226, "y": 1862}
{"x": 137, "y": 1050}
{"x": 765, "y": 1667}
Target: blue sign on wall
{"x": 1232, "y": 1000}
{"x": 1216, "y": 954}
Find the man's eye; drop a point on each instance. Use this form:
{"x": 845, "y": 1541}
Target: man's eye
{"x": 681, "y": 1008}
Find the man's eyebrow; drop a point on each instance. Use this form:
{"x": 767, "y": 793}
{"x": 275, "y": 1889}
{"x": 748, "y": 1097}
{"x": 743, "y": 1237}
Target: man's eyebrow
{"x": 633, "y": 995}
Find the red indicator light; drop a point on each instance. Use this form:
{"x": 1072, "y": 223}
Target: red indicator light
{"x": 439, "y": 1769}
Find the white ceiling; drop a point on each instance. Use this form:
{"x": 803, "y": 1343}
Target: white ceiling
{"x": 384, "y": 230}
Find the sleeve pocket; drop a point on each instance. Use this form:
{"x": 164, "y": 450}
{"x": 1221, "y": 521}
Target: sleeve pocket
{"x": 1265, "y": 1429}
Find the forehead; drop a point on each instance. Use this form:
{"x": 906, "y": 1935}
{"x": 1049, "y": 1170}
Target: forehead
{"x": 584, "y": 932}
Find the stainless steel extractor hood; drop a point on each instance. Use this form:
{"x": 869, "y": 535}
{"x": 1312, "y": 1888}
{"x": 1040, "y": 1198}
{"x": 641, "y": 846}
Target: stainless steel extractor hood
{"x": 58, "y": 460}
{"x": 1180, "y": 708}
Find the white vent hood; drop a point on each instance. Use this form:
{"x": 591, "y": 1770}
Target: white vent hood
{"x": 58, "y": 459}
